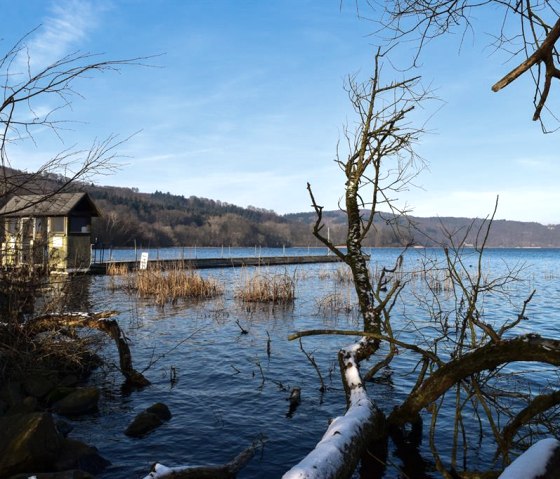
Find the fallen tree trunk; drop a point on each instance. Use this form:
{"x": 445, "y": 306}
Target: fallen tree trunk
{"x": 525, "y": 348}
{"x": 537, "y": 406}
{"x": 338, "y": 452}
{"x": 101, "y": 321}
{"x": 225, "y": 471}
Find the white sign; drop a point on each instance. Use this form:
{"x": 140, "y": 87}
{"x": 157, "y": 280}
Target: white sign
{"x": 57, "y": 242}
{"x": 144, "y": 261}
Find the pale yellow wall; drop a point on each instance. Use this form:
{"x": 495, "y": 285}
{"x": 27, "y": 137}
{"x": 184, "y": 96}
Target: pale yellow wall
{"x": 79, "y": 251}
{"x": 58, "y": 252}
{"x": 64, "y": 251}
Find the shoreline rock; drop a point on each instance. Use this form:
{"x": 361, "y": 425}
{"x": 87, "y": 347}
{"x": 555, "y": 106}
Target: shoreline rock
{"x": 148, "y": 420}
{"x": 78, "y": 402}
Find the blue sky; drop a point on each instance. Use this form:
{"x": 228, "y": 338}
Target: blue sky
{"x": 246, "y": 104}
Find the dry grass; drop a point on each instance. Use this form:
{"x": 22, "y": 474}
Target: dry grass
{"x": 325, "y": 274}
{"x": 23, "y": 352}
{"x": 173, "y": 285}
{"x": 340, "y": 274}
{"x": 343, "y": 274}
{"x": 265, "y": 287}
{"x": 336, "y": 303}
{"x": 438, "y": 281}
{"x": 117, "y": 269}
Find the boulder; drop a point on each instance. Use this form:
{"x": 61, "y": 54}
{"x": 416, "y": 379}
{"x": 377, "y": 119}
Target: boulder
{"x": 27, "y": 405}
{"x": 39, "y": 385}
{"x": 144, "y": 423}
{"x": 148, "y": 420}
{"x": 11, "y": 393}
{"x": 58, "y": 393}
{"x": 70, "y": 380}
{"x": 29, "y": 442}
{"x": 160, "y": 410}
{"x": 78, "y": 455}
{"x": 80, "y": 401}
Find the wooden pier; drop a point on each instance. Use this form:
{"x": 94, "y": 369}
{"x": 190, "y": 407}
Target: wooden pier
{"x": 207, "y": 263}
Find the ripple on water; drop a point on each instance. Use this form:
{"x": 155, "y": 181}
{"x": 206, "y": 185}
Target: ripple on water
{"x": 220, "y": 402}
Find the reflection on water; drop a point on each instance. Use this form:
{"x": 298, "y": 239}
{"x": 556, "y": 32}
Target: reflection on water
{"x": 226, "y": 388}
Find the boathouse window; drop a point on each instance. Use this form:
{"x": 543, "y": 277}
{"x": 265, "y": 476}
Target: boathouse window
{"x": 39, "y": 227}
{"x": 26, "y": 227}
{"x": 79, "y": 224}
{"x": 12, "y": 225}
{"x": 56, "y": 224}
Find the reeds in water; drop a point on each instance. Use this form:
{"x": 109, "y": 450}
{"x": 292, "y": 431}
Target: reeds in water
{"x": 264, "y": 287}
{"x": 335, "y": 304}
{"x": 175, "y": 284}
{"x": 340, "y": 274}
{"x": 117, "y": 269}
{"x": 343, "y": 274}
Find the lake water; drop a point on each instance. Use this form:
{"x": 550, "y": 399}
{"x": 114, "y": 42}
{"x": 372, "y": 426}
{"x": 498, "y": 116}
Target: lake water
{"x": 231, "y": 391}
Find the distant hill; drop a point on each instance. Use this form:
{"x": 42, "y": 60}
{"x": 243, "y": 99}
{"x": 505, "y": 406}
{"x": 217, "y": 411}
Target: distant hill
{"x": 436, "y": 231}
{"x": 161, "y": 219}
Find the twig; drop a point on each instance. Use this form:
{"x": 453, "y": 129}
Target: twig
{"x": 263, "y": 379}
{"x": 243, "y": 331}
{"x": 412, "y": 347}
{"x": 311, "y": 359}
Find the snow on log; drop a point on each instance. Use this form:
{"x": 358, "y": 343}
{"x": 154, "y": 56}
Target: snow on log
{"x": 342, "y": 445}
{"x": 540, "y": 461}
{"x": 226, "y": 471}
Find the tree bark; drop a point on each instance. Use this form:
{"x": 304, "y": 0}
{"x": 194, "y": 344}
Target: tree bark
{"x": 525, "y": 348}
{"x": 345, "y": 441}
{"x": 537, "y": 406}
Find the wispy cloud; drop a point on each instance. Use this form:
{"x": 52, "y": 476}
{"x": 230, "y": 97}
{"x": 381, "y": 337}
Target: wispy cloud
{"x": 522, "y": 204}
{"x": 63, "y": 30}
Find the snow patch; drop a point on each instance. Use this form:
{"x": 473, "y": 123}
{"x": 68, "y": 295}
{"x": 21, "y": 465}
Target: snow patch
{"x": 160, "y": 471}
{"x": 532, "y": 463}
{"x": 326, "y": 459}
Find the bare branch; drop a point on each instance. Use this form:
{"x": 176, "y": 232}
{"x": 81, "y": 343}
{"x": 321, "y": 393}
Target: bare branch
{"x": 489, "y": 356}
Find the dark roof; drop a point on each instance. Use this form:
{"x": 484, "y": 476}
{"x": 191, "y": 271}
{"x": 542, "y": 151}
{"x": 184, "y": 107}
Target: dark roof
{"x": 60, "y": 204}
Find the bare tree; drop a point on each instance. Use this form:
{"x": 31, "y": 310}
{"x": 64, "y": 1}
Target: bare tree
{"x": 26, "y": 90}
{"x": 463, "y": 362}
{"x": 380, "y": 163}
{"x": 529, "y": 32}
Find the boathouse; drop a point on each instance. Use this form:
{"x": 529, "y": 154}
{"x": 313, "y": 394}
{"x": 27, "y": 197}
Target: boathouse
{"x": 50, "y": 232}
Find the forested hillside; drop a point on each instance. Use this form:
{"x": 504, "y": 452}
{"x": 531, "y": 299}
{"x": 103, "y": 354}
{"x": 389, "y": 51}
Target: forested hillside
{"x": 161, "y": 219}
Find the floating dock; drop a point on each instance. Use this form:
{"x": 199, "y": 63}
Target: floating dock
{"x": 208, "y": 263}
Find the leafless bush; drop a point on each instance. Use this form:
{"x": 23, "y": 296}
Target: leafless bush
{"x": 22, "y": 352}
